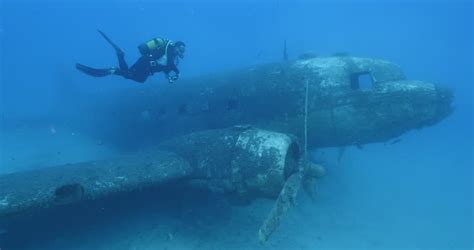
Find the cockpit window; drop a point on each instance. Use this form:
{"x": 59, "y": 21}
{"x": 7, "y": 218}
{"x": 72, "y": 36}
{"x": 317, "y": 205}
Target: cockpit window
{"x": 362, "y": 81}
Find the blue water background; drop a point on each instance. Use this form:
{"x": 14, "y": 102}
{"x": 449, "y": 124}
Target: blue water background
{"x": 417, "y": 193}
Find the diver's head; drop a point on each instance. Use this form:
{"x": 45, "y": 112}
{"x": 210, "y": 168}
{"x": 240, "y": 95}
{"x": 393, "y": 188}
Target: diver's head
{"x": 180, "y": 48}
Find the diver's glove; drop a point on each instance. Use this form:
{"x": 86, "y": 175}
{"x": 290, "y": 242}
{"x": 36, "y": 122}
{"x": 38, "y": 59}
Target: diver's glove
{"x": 172, "y": 79}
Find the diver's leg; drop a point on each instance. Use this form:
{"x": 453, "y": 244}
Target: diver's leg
{"x": 95, "y": 72}
{"x": 131, "y": 75}
{"x": 121, "y": 59}
{"x": 117, "y": 48}
{"x": 140, "y": 70}
{"x": 120, "y": 54}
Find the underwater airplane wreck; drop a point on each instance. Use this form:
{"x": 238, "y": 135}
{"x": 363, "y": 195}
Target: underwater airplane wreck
{"x": 245, "y": 132}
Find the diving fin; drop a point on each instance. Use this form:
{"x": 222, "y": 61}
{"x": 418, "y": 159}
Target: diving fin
{"x": 95, "y": 72}
{"x": 117, "y": 48}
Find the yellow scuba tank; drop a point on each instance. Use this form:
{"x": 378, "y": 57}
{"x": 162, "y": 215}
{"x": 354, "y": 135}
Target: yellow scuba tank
{"x": 153, "y": 47}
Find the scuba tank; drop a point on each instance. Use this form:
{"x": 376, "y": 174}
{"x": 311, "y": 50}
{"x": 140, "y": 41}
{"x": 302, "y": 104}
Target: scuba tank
{"x": 156, "y": 47}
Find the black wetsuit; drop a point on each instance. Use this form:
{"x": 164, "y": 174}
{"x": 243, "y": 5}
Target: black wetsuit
{"x": 146, "y": 66}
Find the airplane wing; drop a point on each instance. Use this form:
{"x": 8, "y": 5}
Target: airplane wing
{"x": 57, "y": 185}
{"x": 241, "y": 160}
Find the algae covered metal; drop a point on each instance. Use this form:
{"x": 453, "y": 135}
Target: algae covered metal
{"x": 248, "y": 162}
{"x": 58, "y": 185}
{"x": 341, "y": 109}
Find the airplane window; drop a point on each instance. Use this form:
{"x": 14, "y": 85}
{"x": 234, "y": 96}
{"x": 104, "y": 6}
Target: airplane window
{"x": 362, "y": 81}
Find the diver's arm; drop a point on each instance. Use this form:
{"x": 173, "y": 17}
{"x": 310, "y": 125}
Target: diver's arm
{"x": 172, "y": 64}
{"x": 174, "y": 68}
{"x": 175, "y": 77}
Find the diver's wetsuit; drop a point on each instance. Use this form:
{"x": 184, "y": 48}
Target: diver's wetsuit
{"x": 145, "y": 66}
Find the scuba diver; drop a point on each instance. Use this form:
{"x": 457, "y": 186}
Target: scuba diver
{"x": 157, "y": 55}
